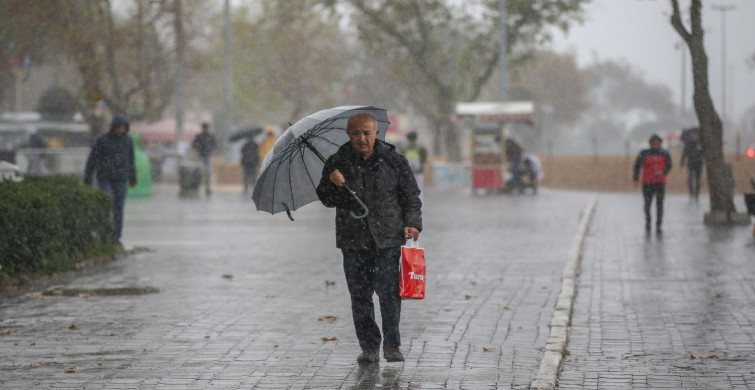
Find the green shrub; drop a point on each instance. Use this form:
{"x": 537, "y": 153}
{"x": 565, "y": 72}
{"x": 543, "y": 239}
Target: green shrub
{"x": 48, "y": 223}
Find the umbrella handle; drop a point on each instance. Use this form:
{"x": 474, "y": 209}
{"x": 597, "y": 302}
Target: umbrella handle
{"x": 364, "y": 206}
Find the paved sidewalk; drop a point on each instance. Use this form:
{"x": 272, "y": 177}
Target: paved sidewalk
{"x": 646, "y": 304}
{"x": 494, "y": 269}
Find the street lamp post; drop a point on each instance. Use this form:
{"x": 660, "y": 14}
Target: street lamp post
{"x": 502, "y": 58}
{"x": 723, "y": 9}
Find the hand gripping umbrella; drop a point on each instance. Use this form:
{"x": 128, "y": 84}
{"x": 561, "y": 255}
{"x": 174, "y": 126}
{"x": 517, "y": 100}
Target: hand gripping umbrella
{"x": 292, "y": 169}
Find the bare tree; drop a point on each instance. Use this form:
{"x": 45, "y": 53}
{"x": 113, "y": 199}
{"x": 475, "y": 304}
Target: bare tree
{"x": 711, "y": 132}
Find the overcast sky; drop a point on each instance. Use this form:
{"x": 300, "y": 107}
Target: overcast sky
{"x": 639, "y": 32}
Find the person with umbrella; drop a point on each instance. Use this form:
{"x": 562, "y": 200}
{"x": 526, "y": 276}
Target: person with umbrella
{"x": 249, "y": 161}
{"x": 371, "y": 246}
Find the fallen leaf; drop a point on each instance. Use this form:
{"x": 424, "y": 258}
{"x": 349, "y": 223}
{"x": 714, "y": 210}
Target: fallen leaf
{"x": 8, "y": 288}
{"x": 328, "y": 283}
{"x": 34, "y": 294}
{"x": 73, "y": 327}
{"x": 330, "y": 339}
{"x": 98, "y": 364}
{"x": 327, "y": 318}
{"x": 70, "y": 370}
{"x": 96, "y": 96}
{"x": 28, "y": 325}
{"x": 467, "y": 297}
{"x": 5, "y": 332}
{"x": 207, "y": 337}
{"x": 488, "y": 349}
{"x": 84, "y": 295}
{"x": 38, "y": 364}
{"x": 474, "y": 283}
{"x": 269, "y": 296}
{"x": 505, "y": 308}
{"x": 703, "y": 356}
{"x": 688, "y": 368}
{"x": 227, "y": 276}
{"x": 448, "y": 309}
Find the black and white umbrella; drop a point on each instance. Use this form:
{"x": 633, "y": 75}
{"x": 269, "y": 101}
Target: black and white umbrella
{"x": 292, "y": 169}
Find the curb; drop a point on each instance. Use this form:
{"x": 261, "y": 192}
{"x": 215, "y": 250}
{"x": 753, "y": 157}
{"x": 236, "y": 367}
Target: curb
{"x": 555, "y": 347}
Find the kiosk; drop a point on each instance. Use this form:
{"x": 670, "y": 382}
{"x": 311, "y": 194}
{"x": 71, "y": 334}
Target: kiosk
{"x": 488, "y": 138}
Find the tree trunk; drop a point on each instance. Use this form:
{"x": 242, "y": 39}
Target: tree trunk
{"x": 711, "y": 131}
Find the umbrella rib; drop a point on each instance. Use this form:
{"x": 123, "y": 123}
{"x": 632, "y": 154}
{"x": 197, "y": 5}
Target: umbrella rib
{"x": 309, "y": 175}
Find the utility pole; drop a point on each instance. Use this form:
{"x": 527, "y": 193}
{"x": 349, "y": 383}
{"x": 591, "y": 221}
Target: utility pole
{"x": 228, "y": 62}
{"x": 180, "y": 86}
{"x": 502, "y": 26}
{"x": 683, "y": 87}
{"x": 723, "y": 9}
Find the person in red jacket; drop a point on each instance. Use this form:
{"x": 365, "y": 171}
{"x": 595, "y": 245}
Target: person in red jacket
{"x": 655, "y": 164}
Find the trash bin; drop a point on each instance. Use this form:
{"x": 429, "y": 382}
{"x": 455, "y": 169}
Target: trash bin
{"x": 189, "y": 178}
{"x": 143, "y": 171}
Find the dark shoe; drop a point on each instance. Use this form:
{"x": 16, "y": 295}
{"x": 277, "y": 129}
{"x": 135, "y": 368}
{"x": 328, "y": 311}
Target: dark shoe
{"x": 658, "y": 229}
{"x": 368, "y": 357}
{"x": 647, "y": 227}
{"x": 393, "y": 354}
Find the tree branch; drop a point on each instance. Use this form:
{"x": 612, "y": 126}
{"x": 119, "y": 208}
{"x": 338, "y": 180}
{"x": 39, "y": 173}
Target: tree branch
{"x": 676, "y": 21}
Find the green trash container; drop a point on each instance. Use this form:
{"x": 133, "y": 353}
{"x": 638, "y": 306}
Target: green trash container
{"x": 143, "y": 171}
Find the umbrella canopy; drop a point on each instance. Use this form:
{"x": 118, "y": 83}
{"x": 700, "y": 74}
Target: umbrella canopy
{"x": 252, "y": 131}
{"x": 292, "y": 170}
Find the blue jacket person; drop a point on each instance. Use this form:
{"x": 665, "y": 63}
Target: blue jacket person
{"x": 112, "y": 160}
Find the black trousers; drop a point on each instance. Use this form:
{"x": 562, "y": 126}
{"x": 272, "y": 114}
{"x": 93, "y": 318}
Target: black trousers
{"x": 693, "y": 179}
{"x": 369, "y": 271}
{"x": 657, "y": 191}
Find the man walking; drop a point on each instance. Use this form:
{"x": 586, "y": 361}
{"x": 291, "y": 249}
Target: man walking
{"x": 416, "y": 155}
{"x": 693, "y": 154}
{"x": 655, "y": 164}
{"x": 205, "y": 145}
{"x": 112, "y": 161}
{"x": 371, "y": 246}
{"x": 249, "y": 162}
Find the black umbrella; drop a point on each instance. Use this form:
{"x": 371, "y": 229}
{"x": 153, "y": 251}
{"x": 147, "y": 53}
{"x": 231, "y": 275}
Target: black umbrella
{"x": 245, "y": 132}
{"x": 291, "y": 171}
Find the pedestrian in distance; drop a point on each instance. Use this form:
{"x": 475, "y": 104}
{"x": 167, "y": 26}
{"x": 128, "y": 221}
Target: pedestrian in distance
{"x": 204, "y": 144}
{"x": 371, "y": 247}
{"x": 249, "y": 162}
{"x": 692, "y": 155}
{"x": 268, "y": 142}
{"x": 416, "y": 155}
{"x": 111, "y": 160}
{"x": 36, "y": 157}
{"x": 655, "y": 164}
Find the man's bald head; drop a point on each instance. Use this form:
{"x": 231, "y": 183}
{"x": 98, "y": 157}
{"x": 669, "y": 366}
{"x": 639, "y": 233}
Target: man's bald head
{"x": 362, "y": 130}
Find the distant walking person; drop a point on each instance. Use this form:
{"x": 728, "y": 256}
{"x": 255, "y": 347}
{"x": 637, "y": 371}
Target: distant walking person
{"x": 205, "y": 145}
{"x": 249, "y": 161}
{"x": 655, "y": 164}
{"x": 693, "y": 155}
{"x": 416, "y": 155}
{"x": 112, "y": 161}
{"x": 37, "y": 144}
{"x": 268, "y": 142}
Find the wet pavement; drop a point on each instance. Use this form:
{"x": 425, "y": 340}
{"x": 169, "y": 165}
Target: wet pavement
{"x": 669, "y": 311}
{"x": 244, "y": 299}
{"x": 252, "y": 301}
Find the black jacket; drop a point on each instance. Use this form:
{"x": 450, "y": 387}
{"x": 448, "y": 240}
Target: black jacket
{"x": 112, "y": 156}
{"x": 204, "y": 144}
{"x": 385, "y": 183}
{"x": 693, "y": 153}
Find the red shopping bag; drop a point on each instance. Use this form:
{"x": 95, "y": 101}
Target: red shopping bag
{"x": 412, "y": 271}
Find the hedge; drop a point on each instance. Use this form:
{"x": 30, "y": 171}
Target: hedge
{"x": 49, "y": 223}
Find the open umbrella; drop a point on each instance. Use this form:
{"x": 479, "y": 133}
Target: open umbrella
{"x": 292, "y": 170}
{"x": 252, "y": 131}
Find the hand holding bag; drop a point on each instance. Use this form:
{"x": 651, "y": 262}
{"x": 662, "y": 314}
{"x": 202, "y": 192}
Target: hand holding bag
{"x": 412, "y": 271}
